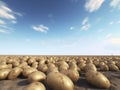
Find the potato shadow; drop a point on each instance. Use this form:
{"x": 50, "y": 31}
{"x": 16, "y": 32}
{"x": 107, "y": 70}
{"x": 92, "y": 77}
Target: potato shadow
{"x": 23, "y": 83}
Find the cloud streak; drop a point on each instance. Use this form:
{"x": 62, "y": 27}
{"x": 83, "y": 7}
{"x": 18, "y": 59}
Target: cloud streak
{"x": 40, "y": 28}
{"x": 2, "y": 22}
{"x": 115, "y": 4}
{"x": 93, "y": 5}
{"x": 85, "y": 24}
{"x": 3, "y": 31}
{"x": 108, "y": 35}
{"x": 8, "y": 17}
{"x": 6, "y": 12}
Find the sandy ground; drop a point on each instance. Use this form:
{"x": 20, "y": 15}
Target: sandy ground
{"x": 82, "y": 84}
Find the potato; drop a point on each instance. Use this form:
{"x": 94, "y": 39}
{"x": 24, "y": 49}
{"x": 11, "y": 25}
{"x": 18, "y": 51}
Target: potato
{"x": 4, "y": 73}
{"x": 23, "y": 64}
{"x": 51, "y": 65}
{"x": 113, "y": 67}
{"x": 27, "y": 71}
{"x": 36, "y": 76}
{"x": 42, "y": 61}
{"x": 81, "y": 66}
{"x": 101, "y": 63}
{"x": 15, "y": 64}
{"x": 97, "y": 79}
{"x": 35, "y": 86}
{"x": 42, "y": 68}
{"x": 52, "y": 69}
{"x": 10, "y": 61}
{"x": 30, "y": 61}
{"x": 73, "y": 75}
{"x": 90, "y": 66}
{"x": 104, "y": 67}
{"x": 35, "y": 65}
{"x": 14, "y": 73}
{"x": 58, "y": 64}
{"x": 73, "y": 66}
{"x": 62, "y": 67}
{"x": 60, "y": 81}
{"x": 3, "y": 66}
{"x": 118, "y": 64}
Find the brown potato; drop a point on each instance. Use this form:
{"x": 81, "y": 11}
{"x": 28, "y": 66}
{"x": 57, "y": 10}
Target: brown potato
{"x": 113, "y": 67}
{"x": 73, "y": 75}
{"x": 97, "y": 79}
{"x": 36, "y": 76}
{"x": 14, "y": 73}
{"x": 35, "y": 86}
{"x": 4, "y": 73}
{"x": 27, "y": 71}
{"x": 104, "y": 67}
{"x": 60, "y": 81}
{"x": 90, "y": 66}
{"x": 3, "y": 66}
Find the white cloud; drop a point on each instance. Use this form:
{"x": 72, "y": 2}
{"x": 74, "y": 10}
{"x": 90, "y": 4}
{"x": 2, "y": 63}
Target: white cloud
{"x": 2, "y": 22}
{"x": 40, "y": 28}
{"x": 85, "y": 24}
{"x": 114, "y": 41}
{"x": 85, "y": 21}
{"x": 93, "y": 5}
{"x": 2, "y": 31}
{"x": 86, "y": 27}
{"x": 14, "y": 22}
{"x": 72, "y": 28}
{"x": 6, "y": 12}
{"x": 115, "y": 4}
{"x": 108, "y": 35}
{"x": 7, "y": 15}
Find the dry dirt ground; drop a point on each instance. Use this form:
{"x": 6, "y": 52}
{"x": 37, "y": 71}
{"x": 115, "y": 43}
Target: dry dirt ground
{"x": 82, "y": 84}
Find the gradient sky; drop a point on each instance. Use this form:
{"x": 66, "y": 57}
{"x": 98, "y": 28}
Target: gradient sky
{"x": 60, "y": 27}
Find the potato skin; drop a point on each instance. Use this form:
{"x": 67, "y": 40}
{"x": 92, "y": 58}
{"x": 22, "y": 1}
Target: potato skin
{"x": 90, "y": 66}
{"x": 4, "y": 73}
{"x": 113, "y": 67}
{"x": 36, "y": 76}
{"x": 14, "y": 73}
{"x": 97, "y": 79}
{"x": 28, "y": 71}
{"x": 60, "y": 81}
{"x": 35, "y": 86}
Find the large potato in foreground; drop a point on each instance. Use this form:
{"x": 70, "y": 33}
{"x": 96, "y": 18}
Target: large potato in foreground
{"x": 59, "y": 81}
{"x": 36, "y": 76}
{"x": 97, "y": 79}
{"x": 35, "y": 86}
{"x": 4, "y": 73}
{"x": 14, "y": 73}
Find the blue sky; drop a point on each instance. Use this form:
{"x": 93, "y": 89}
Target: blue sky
{"x": 60, "y": 27}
